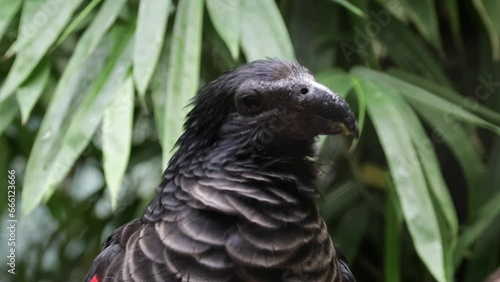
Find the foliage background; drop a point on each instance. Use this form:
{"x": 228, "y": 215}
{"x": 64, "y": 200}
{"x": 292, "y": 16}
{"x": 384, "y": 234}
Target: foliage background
{"x": 93, "y": 92}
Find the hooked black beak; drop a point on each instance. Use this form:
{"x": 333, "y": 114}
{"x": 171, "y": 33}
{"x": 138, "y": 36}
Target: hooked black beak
{"x": 327, "y": 113}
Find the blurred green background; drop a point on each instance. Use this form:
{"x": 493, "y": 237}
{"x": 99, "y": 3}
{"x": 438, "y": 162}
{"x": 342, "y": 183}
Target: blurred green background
{"x": 93, "y": 97}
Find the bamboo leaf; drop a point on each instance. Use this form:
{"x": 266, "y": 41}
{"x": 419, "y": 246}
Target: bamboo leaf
{"x": 225, "y": 16}
{"x": 416, "y": 94}
{"x": 117, "y": 137}
{"x": 38, "y": 41}
{"x": 159, "y": 88}
{"x": 30, "y": 91}
{"x": 487, "y": 215}
{"x": 8, "y": 110}
{"x": 56, "y": 149}
{"x": 351, "y": 230}
{"x": 89, "y": 113}
{"x": 447, "y": 217}
{"x": 262, "y": 25}
{"x": 454, "y": 19}
{"x": 77, "y": 21}
{"x": 392, "y": 244}
{"x": 184, "y": 70}
{"x": 423, "y": 15}
{"x": 408, "y": 50}
{"x": 488, "y": 10}
{"x": 151, "y": 25}
{"x": 351, "y": 7}
{"x": 469, "y": 103}
{"x": 8, "y": 11}
{"x": 451, "y": 132}
{"x": 406, "y": 171}
{"x": 85, "y": 65}
{"x": 430, "y": 166}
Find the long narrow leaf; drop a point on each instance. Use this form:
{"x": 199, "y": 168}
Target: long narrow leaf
{"x": 487, "y": 215}
{"x": 447, "y": 217}
{"x": 57, "y": 147}
{"x": 226, "y": 15}
{"x": 117, "y": 137}
{"x": 351, "y": 7}
{"x": 423, "y": 14}
{"x": 77, "y": 21}
{"x": 351, "y": 230}
{"x": 8, "y": 110}
{"x": 488, "y": 10}
{"x": 454, "y": 135}
{"x": 409, "y": 51}
{"x": 159, "y": 88}
{"x": 409, "y": 180}
{"x": 392, "y": 244}
{"x": 417, "y": 94}
{"x": 449, "y": 94}
{"x": 89, "y": 113}
{"x": 263, "y": 32}
{"x": 151, "y": 25}
{"x": 430, "y": 166}
{"x": 37, "y": 44}
{"x": 8, "y": 11}
{"x": 183, "y": 71}
{"x": 28, "y": 93}
{"x": 84, "y": 67}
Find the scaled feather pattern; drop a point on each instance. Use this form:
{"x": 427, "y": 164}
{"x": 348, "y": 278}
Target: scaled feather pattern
{"x": 237, "y": 200}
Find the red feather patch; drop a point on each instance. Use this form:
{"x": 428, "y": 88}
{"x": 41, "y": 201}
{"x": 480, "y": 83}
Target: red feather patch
{"x": 94, "y": 279}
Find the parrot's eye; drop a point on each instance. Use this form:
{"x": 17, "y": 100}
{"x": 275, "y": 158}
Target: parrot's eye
{"x": 249, "y": 103}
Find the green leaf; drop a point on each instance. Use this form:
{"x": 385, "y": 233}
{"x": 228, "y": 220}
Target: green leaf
{"x": 351, "y": 7}
{"x": 448, "y": 130}
{"x": 263, "y": 32}
{"x": 56, "y": 149}
{"x": 454, "y": 18}
{"x": 396, "y": 9}
{"x": 85, "y": 66}
{"x": 481, "y": 262}
{"x": 8, "y": 11}
{"x": 448, "y": 221}
{"x": 149, "y": 34}
{"x": 487, "y": 215}
{"x": 184, "y": 70}
{"x": 488, "y": 10}
{"x": 469, "y": 103}
{"x": 408, "y": 50}
{"x": 117, "y": 137}
{"x": 423, "y": 14}
{"x": 38, "y": 40}
{"x": 350, "y": 231}
{"x": 77, "y": 21}
{"x": 430, "y": 166}
{"x": 30, "y": 91}
{"x": 406, "y": 171}
{"x": 8, "y": 110}
{"x": 89, "y": 113}
{"x": 225, "y": 16}
{"x": 336, "y": 202}
{"x": 159, "y": 88}
{"x": 392, "y": 243}
{"x": 27, "y": 27}
{"x": 416, "y": 94}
